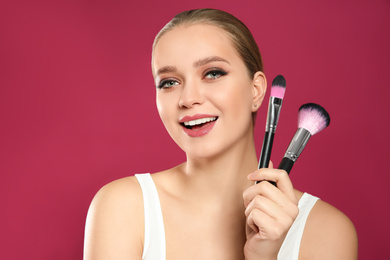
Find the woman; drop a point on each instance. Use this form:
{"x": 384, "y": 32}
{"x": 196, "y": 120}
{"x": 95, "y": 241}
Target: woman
{"x": 208, "y": 74}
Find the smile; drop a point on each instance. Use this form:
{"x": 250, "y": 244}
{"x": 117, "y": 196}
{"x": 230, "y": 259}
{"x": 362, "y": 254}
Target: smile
{"x": 198, "y": 125}
{"x": 200, "y": 121}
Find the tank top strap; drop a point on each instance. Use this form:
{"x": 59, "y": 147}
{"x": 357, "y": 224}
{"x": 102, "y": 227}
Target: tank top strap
{"x": 292, "y": 242}
{"x": 154, "y": 238}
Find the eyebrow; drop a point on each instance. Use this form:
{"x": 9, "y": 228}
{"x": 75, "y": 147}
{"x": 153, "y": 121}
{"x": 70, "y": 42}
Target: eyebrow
{"x": 198, "y": 63}
{"x": 204, "y": 61}
{"x": 166, "y": 69}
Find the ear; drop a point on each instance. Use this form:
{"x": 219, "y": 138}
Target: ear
{"x": 259, "y": 87}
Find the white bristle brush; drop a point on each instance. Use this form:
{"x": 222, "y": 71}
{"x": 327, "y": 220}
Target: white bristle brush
{"x": 312, "y": 118}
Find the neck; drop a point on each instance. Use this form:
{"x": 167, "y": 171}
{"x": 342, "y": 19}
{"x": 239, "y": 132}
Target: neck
{"x": 225, "y": 173}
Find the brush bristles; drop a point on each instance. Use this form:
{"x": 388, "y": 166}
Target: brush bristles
{"x": 313, "y": 118}
{"x": 278, "y": 87}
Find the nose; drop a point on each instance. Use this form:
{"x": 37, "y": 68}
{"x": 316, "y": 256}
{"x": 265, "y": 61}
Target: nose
{"x": 191, "y": 95}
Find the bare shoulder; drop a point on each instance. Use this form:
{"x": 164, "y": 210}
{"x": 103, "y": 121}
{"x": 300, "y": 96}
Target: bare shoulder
{"x": 328, "y": 234}
{"x": 114, "y": 226}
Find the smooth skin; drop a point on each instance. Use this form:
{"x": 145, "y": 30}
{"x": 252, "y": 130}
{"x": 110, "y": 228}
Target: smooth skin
{"x": 210, "y": 205}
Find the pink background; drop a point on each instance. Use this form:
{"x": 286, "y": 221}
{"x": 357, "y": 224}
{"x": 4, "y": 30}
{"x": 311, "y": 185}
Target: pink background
{"x": 77, "y": 109}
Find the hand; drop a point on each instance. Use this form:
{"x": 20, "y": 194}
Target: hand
{"x": 270, "y": 212}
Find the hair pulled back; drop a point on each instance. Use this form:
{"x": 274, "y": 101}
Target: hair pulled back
{"x": 241, "y": 37}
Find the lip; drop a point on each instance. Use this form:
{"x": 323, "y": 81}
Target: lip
{"x": 204, "y": 130}
{"x": 195, "y": 117}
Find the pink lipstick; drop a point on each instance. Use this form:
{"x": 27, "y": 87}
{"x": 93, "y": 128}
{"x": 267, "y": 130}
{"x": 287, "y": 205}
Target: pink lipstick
{"x": 198, "y": 125}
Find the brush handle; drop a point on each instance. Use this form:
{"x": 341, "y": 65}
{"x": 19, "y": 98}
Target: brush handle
{"x": 265, "y": 155}
{"x": 274, "y": 106}
{"x": 295, "y": 148}
{"x": 266, "y": 150}
{"x": 286, "y": 164}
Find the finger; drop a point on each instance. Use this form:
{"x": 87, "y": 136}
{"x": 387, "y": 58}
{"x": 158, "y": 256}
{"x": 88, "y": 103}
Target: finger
{"x": 274, "y": 195}
{"x": 265, "y": 226}
{"x": 251, "y": 227}
{"x": 266, "y": 193}
{"x": 280, "y": 177}
{"x": 265, "y": 205}
{"x": 270, "y": 166}
{"x": 258, "y": 219}
{"x": 285, "y": 213}
{"x": 263, "y": 188}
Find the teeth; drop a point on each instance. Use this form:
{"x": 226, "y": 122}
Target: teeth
{"x": 199, "y": 121}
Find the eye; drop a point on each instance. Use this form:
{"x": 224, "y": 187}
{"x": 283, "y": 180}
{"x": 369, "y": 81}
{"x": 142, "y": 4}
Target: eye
{"x": 168, "y": 83}
{"x": 215, "y": 74}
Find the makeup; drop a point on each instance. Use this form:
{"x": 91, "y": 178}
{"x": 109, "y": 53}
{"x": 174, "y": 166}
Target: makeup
{"x": 274, "y": 106}
{"x": 278, "y": 90}
{"x": 198, "y": 125}
{"x": 312, "y": 118}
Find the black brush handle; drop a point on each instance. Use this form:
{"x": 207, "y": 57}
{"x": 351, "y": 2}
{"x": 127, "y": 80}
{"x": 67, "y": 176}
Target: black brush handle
{"x": 286, "y": 164}
{"x": 265, "y": 154}
{"x": 266, "y": 150}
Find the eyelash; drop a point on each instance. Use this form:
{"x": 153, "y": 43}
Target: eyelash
{"x": 166, "y": 81}
{"x": 217, "y": 74}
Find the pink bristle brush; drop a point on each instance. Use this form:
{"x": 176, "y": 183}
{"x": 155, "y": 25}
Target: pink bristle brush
{"x": 275, "y": 104}
{"x": 312, "y": 118}
{"x": 278, "y": 90}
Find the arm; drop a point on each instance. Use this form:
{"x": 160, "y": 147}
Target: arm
{"x": 328, "y": 234}
{"x": 114, "y": 226}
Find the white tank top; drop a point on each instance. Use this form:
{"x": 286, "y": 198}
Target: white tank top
{"x": 154, "y": 240}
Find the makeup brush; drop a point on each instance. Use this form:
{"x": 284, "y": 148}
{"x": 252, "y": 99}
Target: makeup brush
{"x": 312, "y": 118}
{"x": 274, "y": 106}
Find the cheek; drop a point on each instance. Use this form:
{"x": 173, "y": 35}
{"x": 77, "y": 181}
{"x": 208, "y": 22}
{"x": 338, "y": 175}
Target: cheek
{"x": 237, "y": 98}
{"x": 161, "y": 107}
{"x": 165, "y": 107}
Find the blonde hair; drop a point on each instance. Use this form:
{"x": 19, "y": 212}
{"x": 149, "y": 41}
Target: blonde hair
{"x": 240, "y": 35}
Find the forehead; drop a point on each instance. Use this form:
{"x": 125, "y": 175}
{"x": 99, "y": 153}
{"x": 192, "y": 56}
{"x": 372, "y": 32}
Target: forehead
{"x": 189, "y": 43}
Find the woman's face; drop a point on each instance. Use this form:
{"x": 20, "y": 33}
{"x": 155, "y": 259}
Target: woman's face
{"x": 205, "y": 97}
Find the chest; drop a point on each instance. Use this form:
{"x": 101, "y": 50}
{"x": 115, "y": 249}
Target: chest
{"x": 196, "y": 231}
